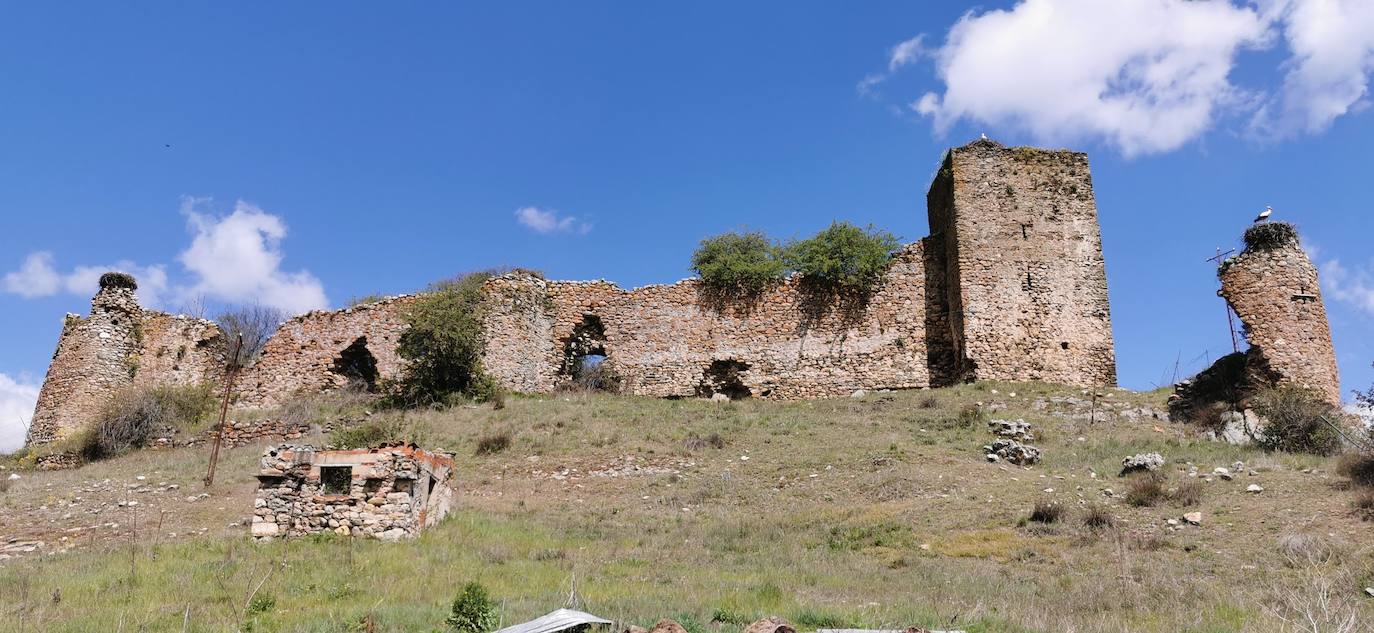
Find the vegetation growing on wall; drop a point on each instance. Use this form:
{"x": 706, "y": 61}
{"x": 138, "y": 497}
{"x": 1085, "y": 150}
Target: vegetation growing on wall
{"x": 1298, "y": 420}
{"x": 841, "y": 257}
{"x": 443, "y": 346}
{"x": 739, "y": 263}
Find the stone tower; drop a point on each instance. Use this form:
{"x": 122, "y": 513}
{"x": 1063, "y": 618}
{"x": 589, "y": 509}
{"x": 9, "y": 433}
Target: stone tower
{"x": 1273, "y": 287}
{"x": 92, "y": 362}
{"x": 1026, "y": 283}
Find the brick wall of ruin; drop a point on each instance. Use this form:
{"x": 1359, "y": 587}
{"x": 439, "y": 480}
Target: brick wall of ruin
{"x": 1027, "y": 280}
{"x": 303, "y": 355}
{"x": 662, "y": 340}
{"x": 119, "y": 345}
{"x": 1276, "y": 294}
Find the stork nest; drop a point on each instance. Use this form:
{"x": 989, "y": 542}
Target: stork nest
{"x": 118, "y": 280}
{"x": 1268, "y": 236}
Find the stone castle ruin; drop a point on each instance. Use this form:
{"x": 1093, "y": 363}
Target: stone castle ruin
{"x": 1272, "y": 286}
{"x": 1009, "y": 285}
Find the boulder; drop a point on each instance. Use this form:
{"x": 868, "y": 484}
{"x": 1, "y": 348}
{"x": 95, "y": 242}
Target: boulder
{"x": 1013, "y": 429}
{"x": 265, "y": 530}
{"x": 1141, "y": 462}
{"x": 770, "y": 624}
{"x": 667, "y": 626}
{"x": 1013, "y": 452}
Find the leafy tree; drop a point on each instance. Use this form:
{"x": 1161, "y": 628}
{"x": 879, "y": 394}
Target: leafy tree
{"x": 739, "y": 263}
{"x": 472, "y": 611}
{"x": 843, "y": 256}
{"x": 443, "y": 345}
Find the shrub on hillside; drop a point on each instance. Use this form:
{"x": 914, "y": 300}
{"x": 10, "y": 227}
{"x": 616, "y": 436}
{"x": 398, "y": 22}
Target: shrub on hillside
{"x": 739, "y": 264}
{"x": 1297, "y": 420}
{"x": 1145, "y": 490}
{"x": 384, "y": 429}
{"x": 443, "y": 346}
{"x": 1046, "y": 512}
{"x": 135, "y": 417}
{"x": 843, "y": 256}
{"x": 1358, "y": 467}
{"x": 494, "y": 442}
{"x": 473, "y": 611}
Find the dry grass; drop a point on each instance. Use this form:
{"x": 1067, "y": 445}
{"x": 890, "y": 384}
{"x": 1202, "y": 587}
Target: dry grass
{"x": 872, "y": 513}
{"x": 1046, "y": 512}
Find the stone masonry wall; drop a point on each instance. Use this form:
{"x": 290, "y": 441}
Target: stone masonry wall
{"x": 1027, "y": 280}
{"x": 117, "y": 346}
{"x": 302, "y": 355}
{"x": 1276, "y": 294}
{"x": 388, "y": 493}
{"x": 663, "y": 340}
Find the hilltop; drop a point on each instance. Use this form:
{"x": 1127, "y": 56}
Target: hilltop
{"x": 879, "y": 511}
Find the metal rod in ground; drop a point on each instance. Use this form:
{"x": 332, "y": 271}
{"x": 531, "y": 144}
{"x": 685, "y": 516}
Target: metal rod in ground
{"x": 229, "y": 372}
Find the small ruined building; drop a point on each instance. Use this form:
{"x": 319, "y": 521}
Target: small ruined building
{"x": 1272, "y": 286}
{"x": 1009, "y": 285}
{"x": 389, "y": 493}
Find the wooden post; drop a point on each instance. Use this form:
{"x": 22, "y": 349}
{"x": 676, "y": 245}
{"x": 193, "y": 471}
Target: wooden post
{"x": 229, "y": 372}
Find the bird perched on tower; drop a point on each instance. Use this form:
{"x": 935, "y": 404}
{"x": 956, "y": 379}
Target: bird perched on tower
{"x": 1264, "y": 215}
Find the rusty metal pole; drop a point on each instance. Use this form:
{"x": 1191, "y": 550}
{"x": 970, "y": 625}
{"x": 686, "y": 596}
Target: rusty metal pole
{"x": 229, "y": 373}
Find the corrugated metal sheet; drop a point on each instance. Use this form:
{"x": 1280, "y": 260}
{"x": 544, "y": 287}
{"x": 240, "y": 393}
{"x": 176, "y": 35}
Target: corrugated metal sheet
{"x": 556, "y": 621}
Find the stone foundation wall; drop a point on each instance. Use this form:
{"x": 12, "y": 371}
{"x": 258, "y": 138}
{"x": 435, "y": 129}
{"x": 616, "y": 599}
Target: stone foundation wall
{"x": 303, "y": 356}
{"x": 1277, "y": 296}
{"x": 663, "y": 340}
{"x": 387, "y": 493}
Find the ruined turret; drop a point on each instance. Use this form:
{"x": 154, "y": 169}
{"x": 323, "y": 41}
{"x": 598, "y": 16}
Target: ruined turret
{"x": 93, "y": 360}
{"x": 1273, "y": 288}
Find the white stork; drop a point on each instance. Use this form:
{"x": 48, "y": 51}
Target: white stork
{"x": 1264, "y": 215}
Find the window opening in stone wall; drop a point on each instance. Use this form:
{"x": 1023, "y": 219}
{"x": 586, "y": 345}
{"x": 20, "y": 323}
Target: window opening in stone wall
{"x": 357, "y": 364}
{"x": 1064, "y": 345}
{"x": 1025, "y": 231}
{"x": 404, "y": 484}
{"x": 336, "y": 480}
{"x": 429, "y": 490}
{"x": 724, "y": 377}
{"x": 372, "y": 486}
{"x": 1029, "y": 284}
{"x": 584, "y": 357}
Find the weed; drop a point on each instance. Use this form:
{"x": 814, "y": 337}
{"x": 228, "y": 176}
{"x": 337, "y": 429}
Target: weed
{"x": 1358, "y": 467}
{"x": 1046, "y": 512}
{"x": 1299, "y": 421}
{"x": 494, "y": 442}
{"x": 1145, "y": 490}
{"x": 1364, "y": 505}
{"x": 1098, "y": 517}
{"x": 473, "y": 611}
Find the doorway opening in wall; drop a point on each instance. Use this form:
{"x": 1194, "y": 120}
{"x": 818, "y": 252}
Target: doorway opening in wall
{"x": 585, "y": 366}
{"x": 357, "y": 364}
{"x": 724, "y": 377}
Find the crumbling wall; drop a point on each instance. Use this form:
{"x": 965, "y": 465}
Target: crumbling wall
{"x": 1275, "y": 292}
{"x": 304, "y": 355}
{"x": 1027, "y": 281}
{"x": 119, "y": 345}
{"x": 662, "y": 340}
{"x": 389, "y": 493}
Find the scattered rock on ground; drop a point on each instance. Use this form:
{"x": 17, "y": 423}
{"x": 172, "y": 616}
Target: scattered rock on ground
{"x": 1255, "y": 488}
{"x": 1141, "y": 462}
{"x": 770, "y": 624}
{"x": 1194, "y": 518}
{"x": 1014, "y": 429}
{"x": 1013, "y": 452}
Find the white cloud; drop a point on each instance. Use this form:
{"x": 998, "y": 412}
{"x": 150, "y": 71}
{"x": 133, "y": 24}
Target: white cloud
{"x": 1332, "y": 47}
{"x": 1143, "y": 75}
{"x": 38, "y": 277}
{"x": 905, "y": 53}
{"x": 16, "y": 410}
{"x": 1353, "y": 287}
{"x": 550, "y": 221}
{"x": 234, "y": 259}
{"x": 238, "y": 258}
{"x": 35, "y": 278}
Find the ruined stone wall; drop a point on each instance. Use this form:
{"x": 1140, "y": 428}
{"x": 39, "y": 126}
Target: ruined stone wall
{"x": 387, "y": 493}
{"x": 1276, "y": 294}
{"x": 119, "y": 345}
{"x": 1027, "y": 281}
{"x": 663, "y": 340}
{"x": 305, "y": 353}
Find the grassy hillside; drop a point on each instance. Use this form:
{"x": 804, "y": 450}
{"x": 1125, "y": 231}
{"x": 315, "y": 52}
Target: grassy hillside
{"x": 872, "y": 512}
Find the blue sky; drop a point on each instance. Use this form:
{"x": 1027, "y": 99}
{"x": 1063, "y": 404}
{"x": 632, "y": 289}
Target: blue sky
{"x": 304, "y": 153}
